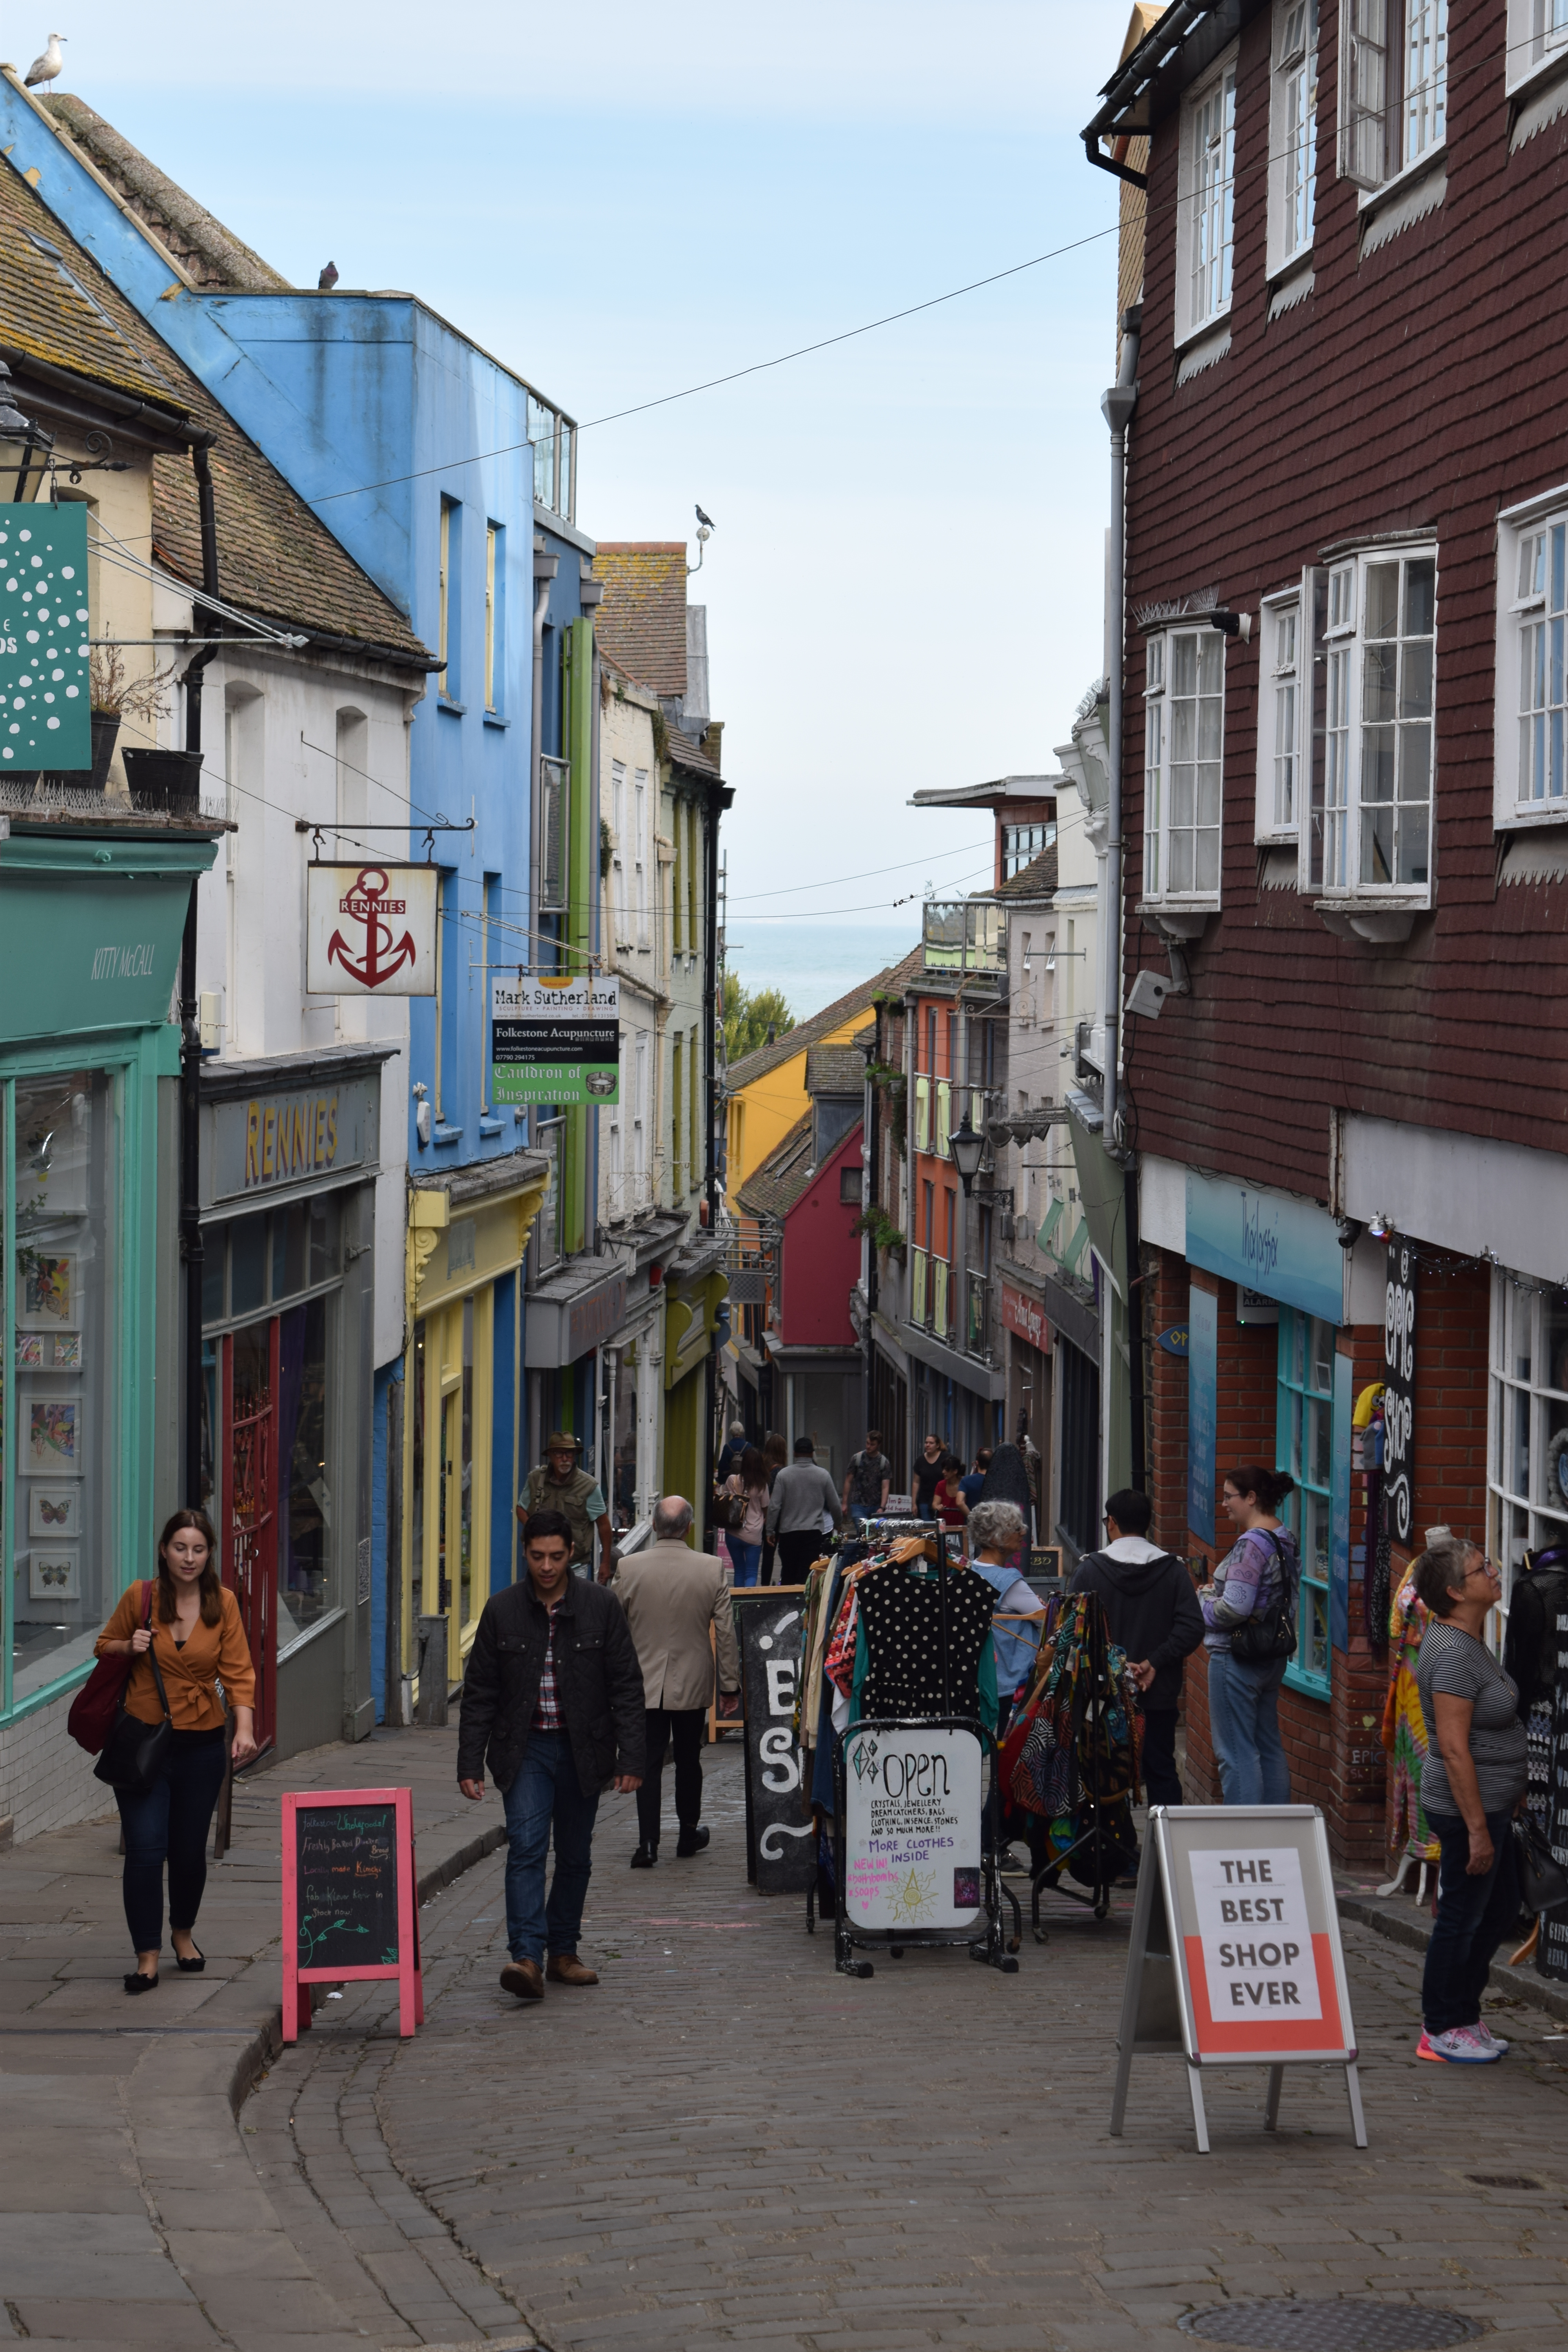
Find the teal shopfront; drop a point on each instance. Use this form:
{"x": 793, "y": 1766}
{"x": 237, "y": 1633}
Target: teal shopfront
{"x": 91, "y": 914}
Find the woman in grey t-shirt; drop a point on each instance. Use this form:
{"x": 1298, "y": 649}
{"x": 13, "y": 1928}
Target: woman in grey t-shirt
{"x": 1471, "y": 1785}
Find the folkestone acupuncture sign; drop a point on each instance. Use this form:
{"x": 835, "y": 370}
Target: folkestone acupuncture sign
{"x": 46, "y": 720}
{"x": 555, "y": 1041}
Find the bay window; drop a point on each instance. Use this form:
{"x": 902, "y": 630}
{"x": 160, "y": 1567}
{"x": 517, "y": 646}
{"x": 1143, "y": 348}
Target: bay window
{"x": 1184, "y": 750}
{"x": 1282, "y": 705}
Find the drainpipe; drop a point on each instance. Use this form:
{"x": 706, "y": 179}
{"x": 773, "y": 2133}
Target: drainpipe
{"x": 873, "y": 1155}
{"x": 191, "y": 1249}
{"x": 545, "y": 567}
{"x": 1117, "y": 406}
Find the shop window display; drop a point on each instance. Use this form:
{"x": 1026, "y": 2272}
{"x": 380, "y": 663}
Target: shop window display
{"x": 1304, "y": 1446}
{"x": 66, "y": 1568}
{"x": 1527, "y": 1454}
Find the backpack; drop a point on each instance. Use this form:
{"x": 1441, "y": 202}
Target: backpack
{"x": 1268, "y": 1634}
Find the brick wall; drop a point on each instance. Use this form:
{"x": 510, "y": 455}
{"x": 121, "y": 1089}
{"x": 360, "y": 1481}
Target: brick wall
{"x": 46, "y": 1780}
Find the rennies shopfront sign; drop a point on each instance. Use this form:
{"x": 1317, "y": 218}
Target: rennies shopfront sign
{"x": 1264, "y": 1241}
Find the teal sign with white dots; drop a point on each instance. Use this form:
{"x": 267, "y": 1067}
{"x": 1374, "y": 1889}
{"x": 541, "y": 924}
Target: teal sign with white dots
{"x": 46, "y": 704}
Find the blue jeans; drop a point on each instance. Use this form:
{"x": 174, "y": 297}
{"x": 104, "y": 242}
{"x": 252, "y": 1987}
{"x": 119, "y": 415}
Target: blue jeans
{"x": 546, "y": 1796}
{"x": 1244, "y": 1726}
{"x": 170, "y": 1823}
{"x": 747, "y": 1557}
{"x": 1474, "y": 1916}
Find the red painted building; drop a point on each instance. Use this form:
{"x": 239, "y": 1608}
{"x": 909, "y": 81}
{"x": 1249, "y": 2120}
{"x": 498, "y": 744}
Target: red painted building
{"x": 1344, "y": 779}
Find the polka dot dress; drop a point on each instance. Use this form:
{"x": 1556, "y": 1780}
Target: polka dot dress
{"x": 45, "y": 702}
{"x": 902, "y": 1617}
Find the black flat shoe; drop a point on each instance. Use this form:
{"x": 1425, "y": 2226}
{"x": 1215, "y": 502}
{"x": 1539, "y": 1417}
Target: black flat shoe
{"x": 692, "y": 1843}
{"x": 137, "y": 1982}
{"x": 644, "y": 1857}
{"x": 190, "y": 1968}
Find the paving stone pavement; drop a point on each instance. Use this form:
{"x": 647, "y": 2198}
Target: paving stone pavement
{"x": 726, "y": 2143}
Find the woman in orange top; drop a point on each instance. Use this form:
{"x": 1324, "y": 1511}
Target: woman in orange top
{"x": 197, "y": 1639}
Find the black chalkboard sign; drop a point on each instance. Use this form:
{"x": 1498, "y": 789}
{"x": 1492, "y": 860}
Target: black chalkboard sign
{"x": 345, "y": 1874}
{"x": 781, "y": 1846}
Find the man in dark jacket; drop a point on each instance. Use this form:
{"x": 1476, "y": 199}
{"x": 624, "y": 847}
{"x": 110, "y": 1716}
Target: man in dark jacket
{"x": 553, "y": 1699}
{"x": 1151, "y": 1611}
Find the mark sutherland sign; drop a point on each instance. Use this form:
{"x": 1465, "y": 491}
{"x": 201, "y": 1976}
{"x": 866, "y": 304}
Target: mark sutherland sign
{"x": 370, "y": 930}
{"x": 555, "y": 1041}
{"x": 45, "y": 704}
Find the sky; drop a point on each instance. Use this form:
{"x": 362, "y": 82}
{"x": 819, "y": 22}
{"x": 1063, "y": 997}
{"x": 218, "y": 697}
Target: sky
{"x": 904, "y": 581}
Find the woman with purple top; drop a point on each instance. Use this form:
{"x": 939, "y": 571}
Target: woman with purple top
{"x": 1260, "y": 1570}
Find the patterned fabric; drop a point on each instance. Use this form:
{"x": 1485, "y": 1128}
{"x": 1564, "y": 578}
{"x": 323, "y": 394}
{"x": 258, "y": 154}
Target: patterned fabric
{"x": 548, "y": 1716}
{"x": 1404, "y": 1729}
{"x": 1081, "y": 1730}
{"x": 838, "y": 1665}
{"x": 902, "y": 1616}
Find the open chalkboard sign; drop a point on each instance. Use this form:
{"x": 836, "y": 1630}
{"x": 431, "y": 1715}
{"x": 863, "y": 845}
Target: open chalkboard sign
{"x": 350, "y": 1908}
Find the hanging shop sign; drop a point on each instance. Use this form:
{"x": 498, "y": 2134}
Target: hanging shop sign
{"x": 350, "y": 1910}
{"x": 1399, "y": 1391}
{"x": 780, "y": 1841}
{"x": 1203, "y": 1410}
{"x": 1174, "y": 1340}
{"x": 913, "y": 1799}
{"x": 46, "y": 720}
{"x": 1025, "y": 1315}
{"x": 370, "y": 930}
{"x": 555, "y": 1041}
{"x": 1288, "y": 1249}
{"x": 1236, "y": 1956}
{"x": 1341, "y": 1447}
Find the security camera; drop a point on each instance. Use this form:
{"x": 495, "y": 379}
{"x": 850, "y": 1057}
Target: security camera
{"x": 1232, "y": 624}
{"x": 1147, "y": 995}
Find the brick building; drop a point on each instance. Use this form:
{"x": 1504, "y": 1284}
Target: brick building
{"x": 1342, "y": 708}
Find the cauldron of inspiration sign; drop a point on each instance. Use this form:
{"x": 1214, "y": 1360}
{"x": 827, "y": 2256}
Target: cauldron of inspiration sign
{"x": 912, "y": 1800}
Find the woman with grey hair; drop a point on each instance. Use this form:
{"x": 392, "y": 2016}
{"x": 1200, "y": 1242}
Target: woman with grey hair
{"x": 996, "y": 1535}
{"x": 1472, "y": 1783}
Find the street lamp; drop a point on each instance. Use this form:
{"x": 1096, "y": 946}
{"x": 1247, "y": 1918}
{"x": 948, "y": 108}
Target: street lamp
{"x": 968, "y": 1149}
{"x": 21, "y": 432}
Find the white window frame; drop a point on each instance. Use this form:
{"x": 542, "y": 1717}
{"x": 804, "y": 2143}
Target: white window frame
{"x": 1335, "y": 801}
{"x": 1520, "y": 610}
{"x": 1275, "y": 745}
{"x": 1293, "y": 133}
{"x": 1207, "y": 201}
{"x": 1393, "y": 90}
{"x": 1527, "y": 1414}
{"x": 1537, "y": 43}
{"x": 1160, "y": 702}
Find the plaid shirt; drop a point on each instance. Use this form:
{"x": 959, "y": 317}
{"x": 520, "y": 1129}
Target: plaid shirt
{"x": 548, "y": 1716}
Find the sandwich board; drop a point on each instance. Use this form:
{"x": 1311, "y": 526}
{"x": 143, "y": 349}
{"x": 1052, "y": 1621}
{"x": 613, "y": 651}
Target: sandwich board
{"x": 1235, "y": 1957}
{"x": 351, "y": 1905}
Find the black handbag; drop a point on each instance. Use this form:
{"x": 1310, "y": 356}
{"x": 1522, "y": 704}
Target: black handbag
{"x": 1269, "y": 1634}
{"x": 136, "y": 1752}
{"x": 1542, "y": 1881}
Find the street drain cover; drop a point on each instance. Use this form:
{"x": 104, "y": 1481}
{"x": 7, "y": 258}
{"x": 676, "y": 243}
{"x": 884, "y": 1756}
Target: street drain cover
{"x": 1284, "y": 2326}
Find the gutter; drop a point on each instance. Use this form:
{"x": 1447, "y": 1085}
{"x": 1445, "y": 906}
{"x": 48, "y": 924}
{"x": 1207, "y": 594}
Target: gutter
{"x": 174, "y": 420}
{"x": 191, "y": 1248}
{"x": 1117, "y": 406}
{"x": 1136, "y": 77}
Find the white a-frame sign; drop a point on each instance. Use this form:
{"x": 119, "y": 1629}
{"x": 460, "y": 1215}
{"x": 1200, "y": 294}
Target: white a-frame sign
{"x": 1236, "y": 1957}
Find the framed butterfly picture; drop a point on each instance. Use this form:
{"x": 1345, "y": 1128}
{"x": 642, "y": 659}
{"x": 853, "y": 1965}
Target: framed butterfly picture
{"x": 54, "y": 1575}
{"x": 54, "y": 1512}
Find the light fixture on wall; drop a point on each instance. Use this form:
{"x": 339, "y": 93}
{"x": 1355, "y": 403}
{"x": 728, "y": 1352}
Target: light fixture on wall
{"x": 1380, "y": 1225}
{"x": 22, "y": 435}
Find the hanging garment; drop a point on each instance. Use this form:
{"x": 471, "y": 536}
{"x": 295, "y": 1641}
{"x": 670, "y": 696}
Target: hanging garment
{"x": 1404, "y": 1729}
{"x": 901, "y": 1612}
{"x": 1080, "y": 1733}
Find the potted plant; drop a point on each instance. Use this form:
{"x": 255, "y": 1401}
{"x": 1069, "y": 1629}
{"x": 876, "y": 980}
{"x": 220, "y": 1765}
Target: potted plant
{"x": 116, "y": 697}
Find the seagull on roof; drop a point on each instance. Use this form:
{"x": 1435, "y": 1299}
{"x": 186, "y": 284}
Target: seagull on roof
{"x": 51, "y": 63}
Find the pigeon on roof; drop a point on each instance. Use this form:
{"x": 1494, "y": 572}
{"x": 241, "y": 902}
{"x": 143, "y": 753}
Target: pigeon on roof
{"x": 328, "y": 279}
{"x": 51, "y": 63}
{"x": 706, "y": 521}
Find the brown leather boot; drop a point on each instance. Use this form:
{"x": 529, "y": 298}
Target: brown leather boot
{"x": 565, "y": 1968}
{"x": 522, "y": 1978}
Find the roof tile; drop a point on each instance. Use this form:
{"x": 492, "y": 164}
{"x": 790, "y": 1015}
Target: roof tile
{"x": 641, "y": 619}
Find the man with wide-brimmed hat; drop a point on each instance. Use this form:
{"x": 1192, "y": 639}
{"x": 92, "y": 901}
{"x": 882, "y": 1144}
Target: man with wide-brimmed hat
{"x": 559, "y": 1485}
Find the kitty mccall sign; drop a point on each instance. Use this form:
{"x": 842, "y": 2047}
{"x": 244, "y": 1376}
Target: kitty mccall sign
{"x": 370, "y": 930}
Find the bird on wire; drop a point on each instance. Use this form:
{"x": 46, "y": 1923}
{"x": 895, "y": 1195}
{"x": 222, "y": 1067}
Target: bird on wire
{"x": 706, "y": 521}
{"x": 45, "y": 68}
{"x": 328, "y": 279}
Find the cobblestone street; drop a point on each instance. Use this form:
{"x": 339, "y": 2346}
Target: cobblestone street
{"x": 727, "y": 2143}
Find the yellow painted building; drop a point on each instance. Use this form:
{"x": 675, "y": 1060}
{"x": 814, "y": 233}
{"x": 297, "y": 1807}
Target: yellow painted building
{"x": 765, "y": 1090}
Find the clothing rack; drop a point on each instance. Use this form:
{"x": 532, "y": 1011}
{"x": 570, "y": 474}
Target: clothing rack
{"x": 1093, "y": 1758}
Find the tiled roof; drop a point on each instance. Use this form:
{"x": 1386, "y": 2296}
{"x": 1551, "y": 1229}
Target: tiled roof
{"x": 212, "y": 255}
{"x": 772, "y": 1189}
{"x": 835, "y": 1070}
{"x": 686, "y": 751}
{"x": 53, "y": 308}
{"x": 1035, "y": 880}
{"x": 276, "y": 558}
{"x": 821, "y": 1024}
{"x": 641, "y": 619}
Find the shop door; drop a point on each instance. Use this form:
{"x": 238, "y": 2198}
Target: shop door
{"x": 248, "y": 1531}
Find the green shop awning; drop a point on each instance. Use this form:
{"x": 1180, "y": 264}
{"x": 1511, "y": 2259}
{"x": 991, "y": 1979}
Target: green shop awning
{"x": 91, "y": 924}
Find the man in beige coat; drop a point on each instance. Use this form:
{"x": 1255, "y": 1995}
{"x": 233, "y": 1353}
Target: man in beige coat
{"x": 672, "y": 1595}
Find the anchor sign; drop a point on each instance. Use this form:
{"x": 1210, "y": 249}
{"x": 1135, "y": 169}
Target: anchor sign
{"x": 372, "y": 931}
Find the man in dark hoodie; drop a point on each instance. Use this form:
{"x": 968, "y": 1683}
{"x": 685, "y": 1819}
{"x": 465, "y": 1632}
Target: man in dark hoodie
{"x": 1151, "y": 1611}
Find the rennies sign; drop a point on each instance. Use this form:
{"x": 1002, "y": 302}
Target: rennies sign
{"x": 1264, "y": 1241}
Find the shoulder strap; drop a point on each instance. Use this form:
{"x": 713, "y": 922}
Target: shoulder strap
{"x": 153, "y": 1650}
